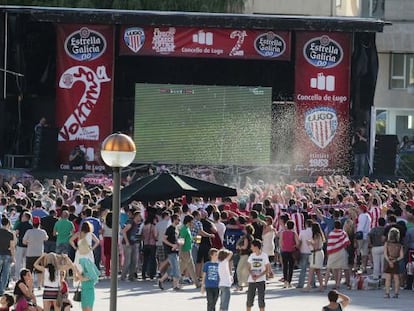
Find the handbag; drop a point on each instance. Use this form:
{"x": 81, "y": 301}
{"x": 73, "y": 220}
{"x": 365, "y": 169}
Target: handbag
{"x": 77, "y": 296}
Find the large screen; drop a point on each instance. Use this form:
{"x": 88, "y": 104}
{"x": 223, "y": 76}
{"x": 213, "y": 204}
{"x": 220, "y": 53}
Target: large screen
{"x": 196, "y": 124}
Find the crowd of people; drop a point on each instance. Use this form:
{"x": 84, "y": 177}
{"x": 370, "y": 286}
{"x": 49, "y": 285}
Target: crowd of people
{"x": 336, "y": 228}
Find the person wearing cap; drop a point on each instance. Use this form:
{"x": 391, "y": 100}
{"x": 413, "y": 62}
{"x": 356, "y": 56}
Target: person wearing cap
{"x": 34, "y": 239}
{"x": 364, "y": 226}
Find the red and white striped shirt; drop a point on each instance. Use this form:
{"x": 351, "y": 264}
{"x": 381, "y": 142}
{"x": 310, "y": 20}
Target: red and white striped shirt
{"x": 337, "y": 240}
{"x": 375, "y": 213}
{"x": 299, "y": 221}
{"x": 277, "y": 207}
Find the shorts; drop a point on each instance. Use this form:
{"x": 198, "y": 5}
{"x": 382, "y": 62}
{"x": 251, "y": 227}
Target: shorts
{"x": 161, "y": 255}
{"x": 30, "y": 264}
{"x": 174, "y": 270}
{"x": 363, "y": 247}
{"x": 62, "y": 248}
{"x": 202, "y": 255}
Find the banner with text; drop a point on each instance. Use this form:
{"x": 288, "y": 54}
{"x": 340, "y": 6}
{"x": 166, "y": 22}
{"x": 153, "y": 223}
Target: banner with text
{"x": 205, "y": 42}
{"x": 84, "y": 94}
{"x": 322, "y": 81}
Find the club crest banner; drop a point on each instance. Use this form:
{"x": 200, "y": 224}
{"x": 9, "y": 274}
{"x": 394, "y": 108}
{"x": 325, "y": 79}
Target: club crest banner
{"x": 205, "y": 42}
{"x": 84, "y": 94}
{"x": 322, "y": 81}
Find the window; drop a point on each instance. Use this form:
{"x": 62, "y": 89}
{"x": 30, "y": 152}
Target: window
{"x": 402, "y": 71}
{"x": 381, "y": 122}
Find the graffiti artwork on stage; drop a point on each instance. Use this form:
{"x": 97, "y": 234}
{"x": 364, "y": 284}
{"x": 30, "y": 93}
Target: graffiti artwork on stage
{"x": 74, "y": 128}
{"x": 84, "y": 94}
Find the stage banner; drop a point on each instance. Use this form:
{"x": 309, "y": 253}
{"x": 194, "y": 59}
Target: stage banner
{"x": 84, "y": 95}
{"x": 322, "y": 82}
{"x": 205, "y": 42}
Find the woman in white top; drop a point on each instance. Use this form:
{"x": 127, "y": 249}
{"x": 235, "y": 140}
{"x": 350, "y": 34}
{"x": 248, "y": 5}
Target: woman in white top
{"x": 317, "y": 256}
{"x": 49, "y": 266}
{"x": 87, "y": 242}
{"x": 268, "y": 238}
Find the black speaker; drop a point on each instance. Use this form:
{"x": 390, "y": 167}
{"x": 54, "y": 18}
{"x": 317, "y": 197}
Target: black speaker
{"x": 385, "y": 154}
{"x": 45, "y": 157}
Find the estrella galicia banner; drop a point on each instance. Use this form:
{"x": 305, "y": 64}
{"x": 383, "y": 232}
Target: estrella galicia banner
{"x": 205, "y": 42}
{"x": 322, "y": 81}
{"x": 84, "y": 94}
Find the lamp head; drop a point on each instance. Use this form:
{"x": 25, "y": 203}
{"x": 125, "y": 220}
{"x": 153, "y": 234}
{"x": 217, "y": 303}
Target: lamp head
{"x": 118, "y": 150}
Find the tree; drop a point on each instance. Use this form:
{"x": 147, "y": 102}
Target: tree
{"x": 230, "y": 6}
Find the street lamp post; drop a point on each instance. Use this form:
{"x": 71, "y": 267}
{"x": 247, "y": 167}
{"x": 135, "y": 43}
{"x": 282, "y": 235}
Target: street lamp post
{"x": 118, "y": 151}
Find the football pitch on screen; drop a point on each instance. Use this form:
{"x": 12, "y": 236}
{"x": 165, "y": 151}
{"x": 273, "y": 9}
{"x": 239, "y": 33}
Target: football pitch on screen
{"x": 195, "y": 124}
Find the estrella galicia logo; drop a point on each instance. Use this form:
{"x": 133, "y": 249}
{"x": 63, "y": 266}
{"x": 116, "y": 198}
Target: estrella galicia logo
{"x": 321, "y": 124}
{"x": 134, "y": 38}
{"x": 269, "y": 44}
{"x": 323, "y": 52}
{"x": 85, "y": 44}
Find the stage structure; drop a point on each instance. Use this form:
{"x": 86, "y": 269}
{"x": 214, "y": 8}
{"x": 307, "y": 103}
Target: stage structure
{"x": 219, "y": 90}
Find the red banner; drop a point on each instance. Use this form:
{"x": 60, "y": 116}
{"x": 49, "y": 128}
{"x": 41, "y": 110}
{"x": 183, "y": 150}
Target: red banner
{"x": 84, "y": 94}
{"x": 322, "y": 80}
{"x": 205, "y": 42}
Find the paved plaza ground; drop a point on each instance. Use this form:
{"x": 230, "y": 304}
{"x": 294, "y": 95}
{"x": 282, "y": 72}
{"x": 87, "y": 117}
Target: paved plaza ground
{"x": 145, "y": 295}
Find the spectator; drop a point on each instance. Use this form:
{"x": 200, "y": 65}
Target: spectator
{"x": 171, "y": 244}
{"x": 185, "y": 258}
{"x": 63, "y": 230}
{"x": 337, "y": 256}
{"x": 376, "y": 242}
{"x": 6, "y": 302}
{"x": 289, "y": 242}
{"x": 363, "y": 226}
{"x": 7, "y": 252}
{"x": 88, "y": 275}
{"x": 47, "y": 264}
{"x": 129, "y": 243}
{"x": 24, "y": 293}
{"x": 225, "y": 279}
{"x": 34, "y": 239}
{"x": 21, "y": 248}
{"x": 48, "y": 223}
{"x": 268, "y": 238}
{"x": 244, "y": 247}
{"x": 107, "y": 235}
{"x": 149, "y": 238}
{"x": 334, "y": 305}
{"x": 86, "y": 243}
{"x": 258, "y": 268}
{"x": 317, "y": 256}
{"x": 305, "y": 236}
{"x": 393, "y": 253}
{"x": 210, "y": 280}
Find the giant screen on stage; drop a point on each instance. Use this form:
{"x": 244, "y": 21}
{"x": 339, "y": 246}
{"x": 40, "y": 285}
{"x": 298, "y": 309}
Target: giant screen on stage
{"x": 196, "y": 124}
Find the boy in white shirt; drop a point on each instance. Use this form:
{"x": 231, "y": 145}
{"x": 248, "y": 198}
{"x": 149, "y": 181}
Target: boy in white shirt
{"x": 259, "y": 267}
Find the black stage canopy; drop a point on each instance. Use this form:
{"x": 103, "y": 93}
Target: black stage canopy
{"x": 186, "y": 19}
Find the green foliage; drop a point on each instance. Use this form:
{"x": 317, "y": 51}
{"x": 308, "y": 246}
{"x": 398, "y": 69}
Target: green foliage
{"x": 156, "y": 5}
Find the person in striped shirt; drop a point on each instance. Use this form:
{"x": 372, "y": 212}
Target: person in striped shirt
{"x": 337, "y": 255}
